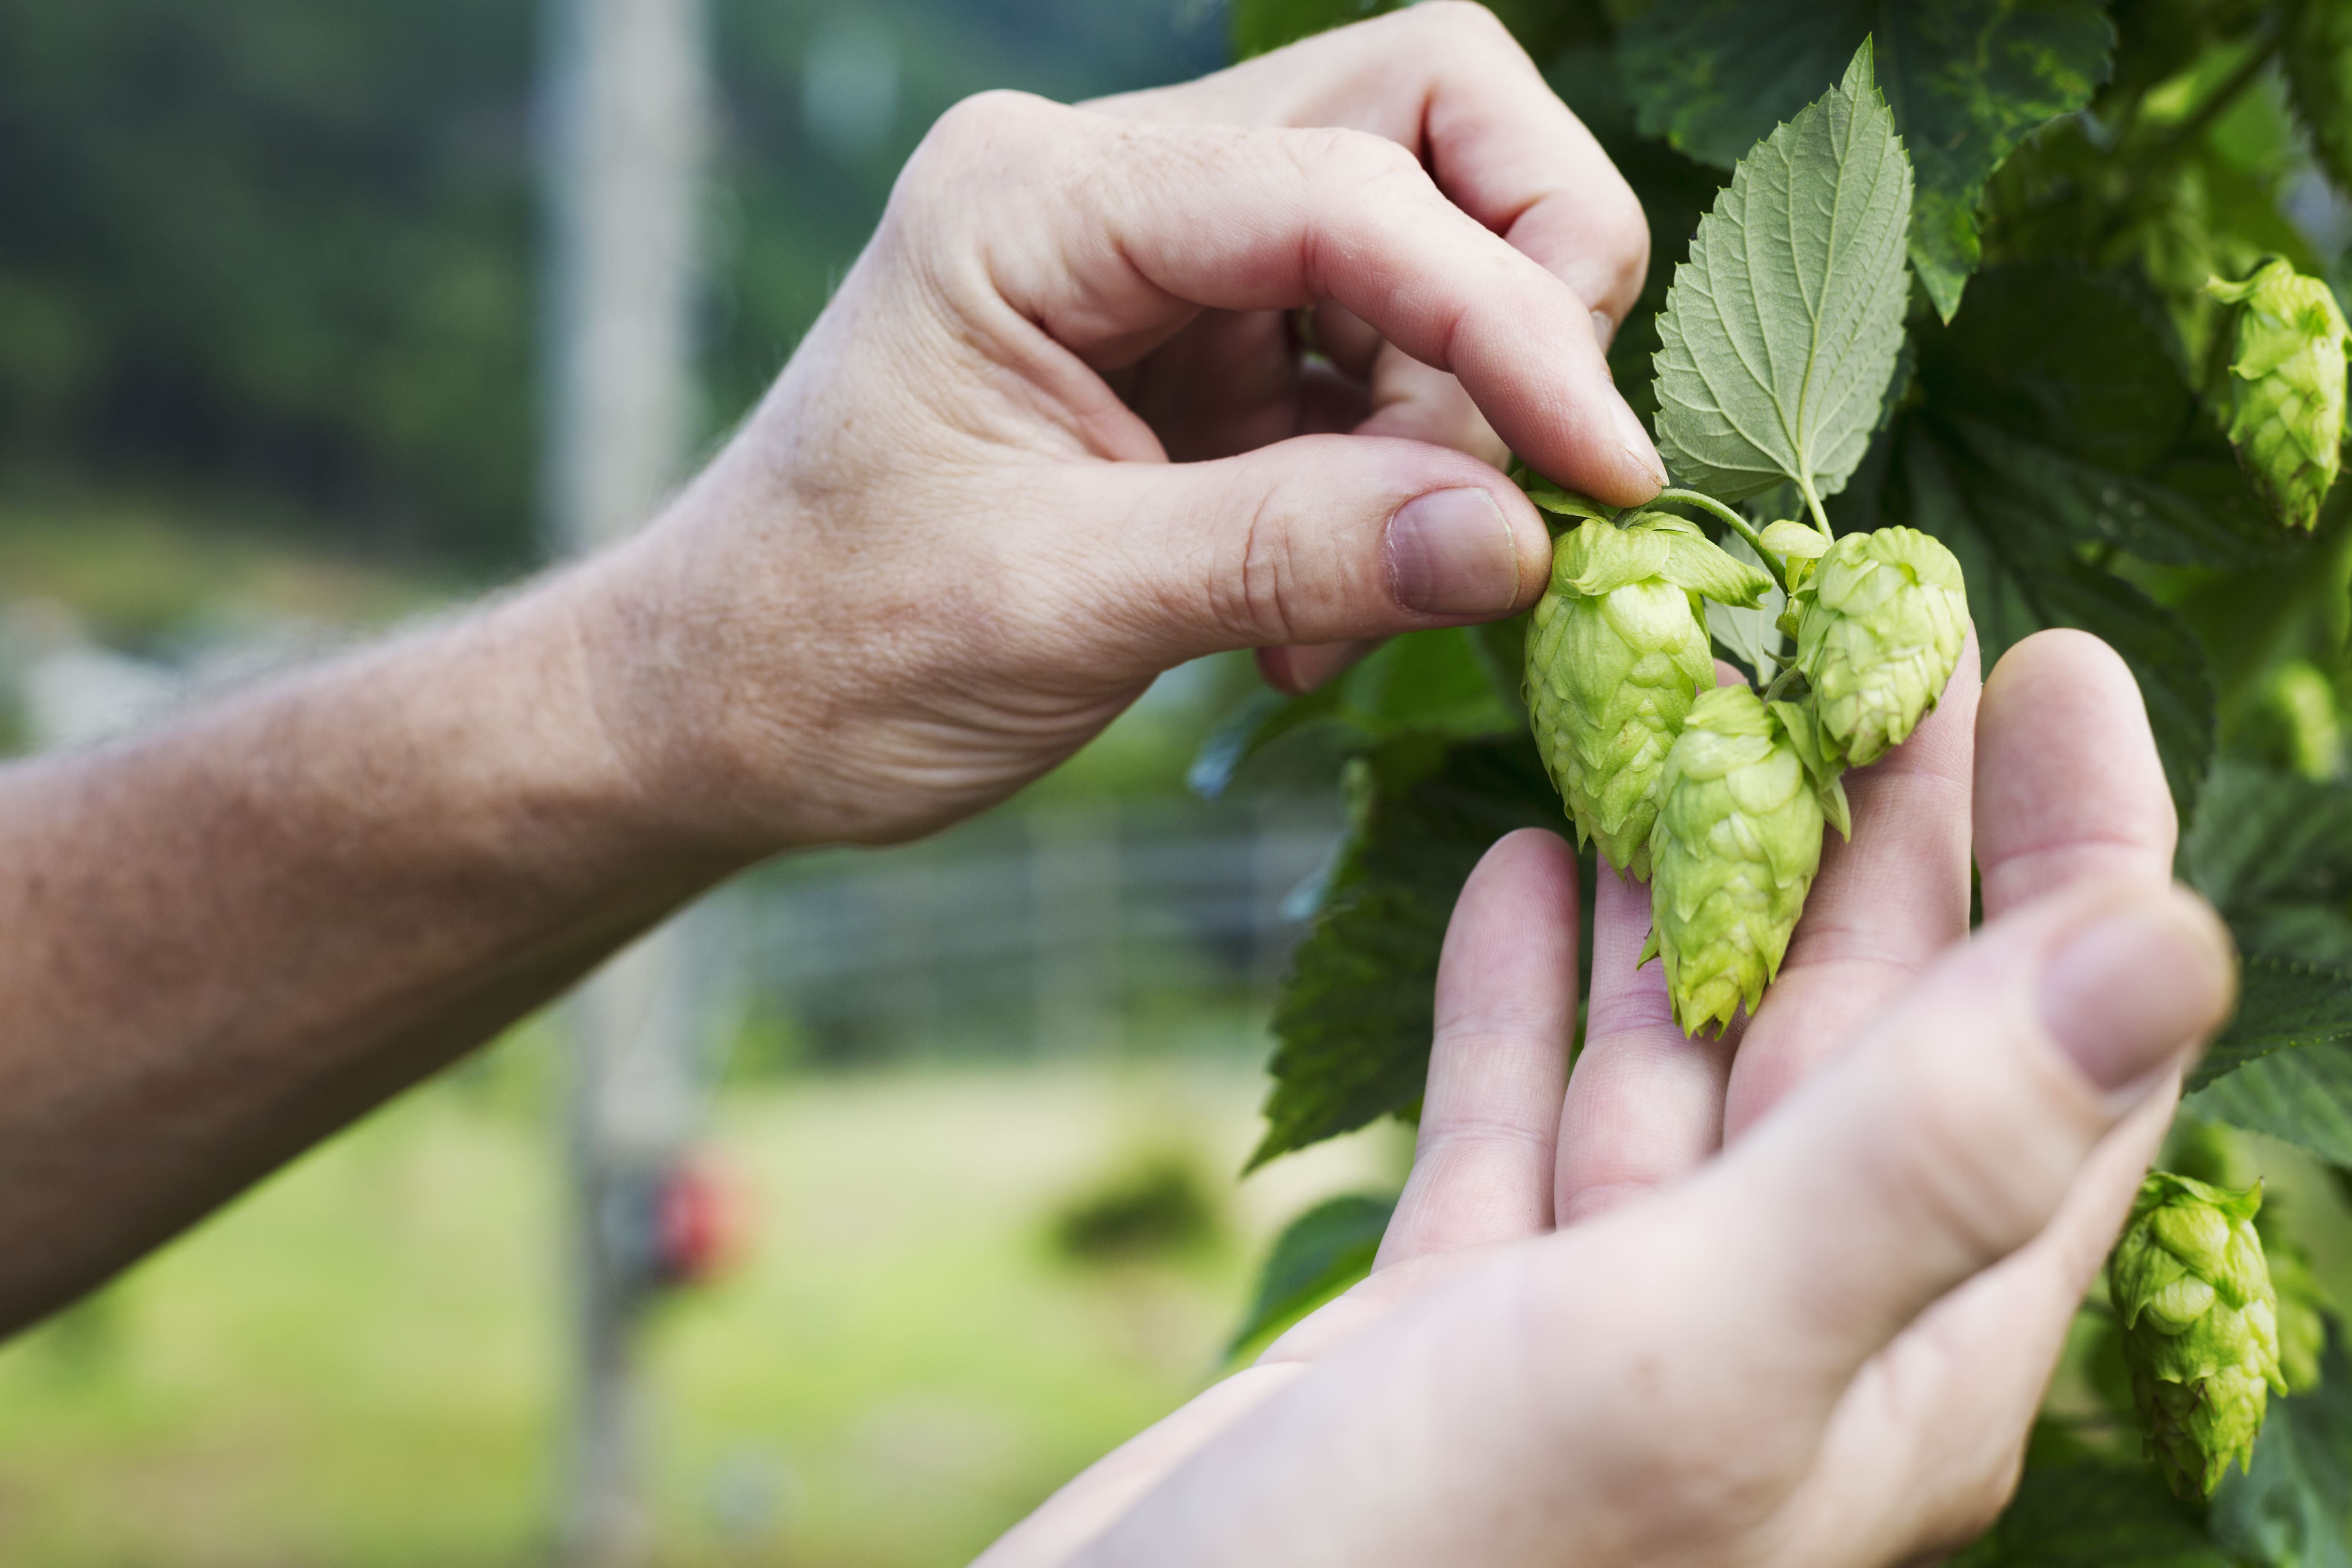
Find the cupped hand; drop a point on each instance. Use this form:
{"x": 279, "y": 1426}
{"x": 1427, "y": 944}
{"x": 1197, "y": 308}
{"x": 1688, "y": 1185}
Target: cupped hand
{"x": 1790, "y": 1297}
{"x": 1056, "y": 432}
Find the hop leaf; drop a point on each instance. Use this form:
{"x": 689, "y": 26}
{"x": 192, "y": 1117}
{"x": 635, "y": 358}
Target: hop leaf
{"x": 1617, "y": 652}
{"x": 1738, "y": 839}
{"x": 2287, "y": 387}
{"x": 2200, "y": 1325}
{"x": 1881, "y": 620}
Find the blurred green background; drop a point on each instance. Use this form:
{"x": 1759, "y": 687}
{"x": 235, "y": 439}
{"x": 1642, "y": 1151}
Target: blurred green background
{"x": 268, "y": 317}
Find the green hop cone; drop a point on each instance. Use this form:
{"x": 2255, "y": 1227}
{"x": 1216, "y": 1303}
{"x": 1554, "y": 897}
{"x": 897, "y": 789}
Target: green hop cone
{"x": 1738, "y": 841}
{"x": 1617, "y": 652}
{"x": 1881, "y": 619}
{"x": 2287, "y": 387}
{"x": 2200, "y": 1325}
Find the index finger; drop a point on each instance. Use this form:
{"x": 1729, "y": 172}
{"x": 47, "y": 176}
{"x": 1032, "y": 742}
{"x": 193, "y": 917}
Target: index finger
{"x": 1448, "y": 80}
{"x": 1129, "y": 230}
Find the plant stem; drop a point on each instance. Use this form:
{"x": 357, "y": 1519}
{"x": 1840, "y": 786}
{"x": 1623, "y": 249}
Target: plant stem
{"x": 1737, "y": 523}
{"x": 2219, "y": 99}
{"x": 1779, "y": 688}
{"x": 1813, "y": 505}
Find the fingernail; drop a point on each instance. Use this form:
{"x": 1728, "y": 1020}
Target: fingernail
{"x": 1452, "y": 552}
{"x": 1636, "y": 440}
{"x": 2127, "y": 993}
{"x": 1604, "y": 331}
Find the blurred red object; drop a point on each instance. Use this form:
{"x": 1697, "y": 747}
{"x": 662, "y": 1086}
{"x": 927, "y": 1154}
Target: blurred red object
{"x": 703, "y": 1222}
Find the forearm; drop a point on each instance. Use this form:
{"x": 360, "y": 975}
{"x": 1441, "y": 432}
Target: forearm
{"x": 220, "y": 942}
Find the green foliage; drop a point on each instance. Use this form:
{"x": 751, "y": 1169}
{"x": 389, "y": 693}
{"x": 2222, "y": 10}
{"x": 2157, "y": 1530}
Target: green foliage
{"x": 1319, "y": 1255}
{"x": 1782, "y": 329}
{"x": 1968, "y": 80}
{"x": 1353, "y": 1024}
{"x": 2086, "y": 1514}
{"x": 2058, "y": 424}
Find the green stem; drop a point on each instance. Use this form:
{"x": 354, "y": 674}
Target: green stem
{"x": 1813, "y": 505}
{"x": 1780, "y": 682}
{"x": 2218, "y": 100}
{"x": 1737, "y": 523}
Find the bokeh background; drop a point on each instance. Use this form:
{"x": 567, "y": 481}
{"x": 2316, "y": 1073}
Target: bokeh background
{"x": 270, "y": 313}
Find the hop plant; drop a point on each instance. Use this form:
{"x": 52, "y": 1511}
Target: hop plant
{"x": 1617, "y": 652}
{"x": 1881, "y": 620}
{"x": 1738, "y": 839}
{"x": 2200, "y": 1325}
{"x": 2286, "y": 388}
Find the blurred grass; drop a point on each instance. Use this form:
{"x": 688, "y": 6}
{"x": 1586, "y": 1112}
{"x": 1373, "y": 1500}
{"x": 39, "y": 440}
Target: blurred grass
{"x": 362, "y": 1363}
{"x": 136, "y": 569}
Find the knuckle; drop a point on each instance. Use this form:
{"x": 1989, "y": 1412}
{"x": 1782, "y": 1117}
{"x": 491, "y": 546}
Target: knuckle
{"x": 972, "y": 130}
{"x": 1345, "y": 159}
{"x": 1464, "y": 25}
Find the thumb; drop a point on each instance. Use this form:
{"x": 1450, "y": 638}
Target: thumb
{"x": 1951, "y": 1136}
{"x": 1319, "y": 539}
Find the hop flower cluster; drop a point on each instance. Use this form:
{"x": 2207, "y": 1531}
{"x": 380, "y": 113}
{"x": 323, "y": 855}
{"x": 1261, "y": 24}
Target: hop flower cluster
{"x": 2286, "y": 386}
{"x": 2200, "y": 1325}
{"x": 1719, "y": 796}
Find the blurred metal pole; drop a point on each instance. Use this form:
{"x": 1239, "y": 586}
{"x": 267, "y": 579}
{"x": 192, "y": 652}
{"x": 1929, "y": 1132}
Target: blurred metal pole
{"x": 623, "y": 98}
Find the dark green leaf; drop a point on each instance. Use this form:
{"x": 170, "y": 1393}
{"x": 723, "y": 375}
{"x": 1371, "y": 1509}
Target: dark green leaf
{"x": 2302, "y": 1095}
{"x": 2318, "y": 59}
{"x": 1260, "y": 26}
{"x": 2019, "y": 585}
{"x": 1353, "y": 1024}
{"x": 2293, "y": 1508}
{"x": 1318, "y": 1255}
{"x": 2283, "y": 1005}
{"x": 2272, "y": 850}
{"x": 2020, "y": 449}
{"x": 1445, "y": 682}
{"x": 2090, "y": 1515}
{"x": 1968, "y": 79}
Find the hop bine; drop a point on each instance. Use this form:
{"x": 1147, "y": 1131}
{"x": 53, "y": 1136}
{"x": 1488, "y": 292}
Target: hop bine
{"x": 1881, "y": 618}
{"x": 1743, "y": 798}
{"x": 2200, "y": 1325}
{"x": 1617, "y": 653}
{"x": 2286, "y": 386}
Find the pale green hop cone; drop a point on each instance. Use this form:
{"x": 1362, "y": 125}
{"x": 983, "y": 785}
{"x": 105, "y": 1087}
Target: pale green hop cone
{"x": 1881, "y": 621}
{"x": 2200, "y": 1325}
{"x": 1738, "y": 841}
{"x": 2286, "y": 386}
{"x": 1617, "y": 651}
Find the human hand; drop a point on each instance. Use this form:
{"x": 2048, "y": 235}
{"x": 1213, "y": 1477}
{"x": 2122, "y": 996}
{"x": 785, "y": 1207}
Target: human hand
{"x": 1053, "y": 436}
{"x": 1595, "y": 1335}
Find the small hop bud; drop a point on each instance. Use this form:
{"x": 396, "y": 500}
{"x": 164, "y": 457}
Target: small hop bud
{"x": 2287, "y": 387}
{"x": 1738, "y": 841}
{"x": 1617, "y": 652}
{"x": 2200, "y": 1325}
{"x": 1881, "y": 621}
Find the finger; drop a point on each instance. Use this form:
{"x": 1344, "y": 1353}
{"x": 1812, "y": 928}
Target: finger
{"x": 1450, "y": 78}
{"x": 1886, "y": 904}
{"x": 1952, "y": 1136}
{"x": 1346, "y": 339}
{"x": 1644, "y": 1105}
{"x": 1131, "y": 229}
{"x": 1319, "y": 540}
{"x": 1294, "y": 671}
{"x": 1411, "y": 400}
{"x": 1482, "y": 1168}
{"x": 1924, "y": 1449}
{"x": 2068, "y": 783}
